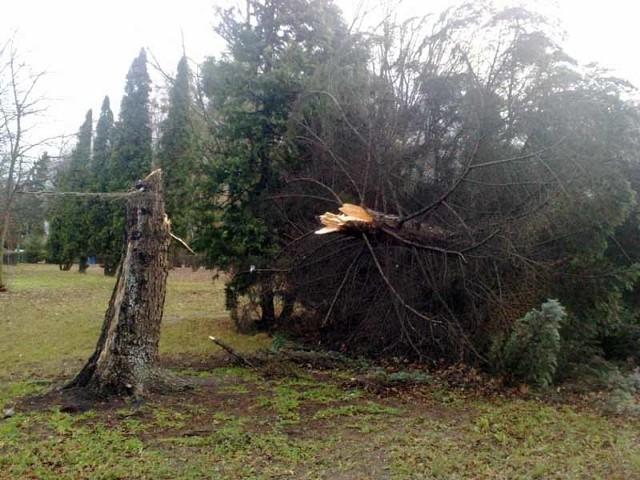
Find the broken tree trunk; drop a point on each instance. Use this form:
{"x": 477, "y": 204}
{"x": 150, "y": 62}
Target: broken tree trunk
{"x": 358, "y": 221}
{"x": 125, "y": 359}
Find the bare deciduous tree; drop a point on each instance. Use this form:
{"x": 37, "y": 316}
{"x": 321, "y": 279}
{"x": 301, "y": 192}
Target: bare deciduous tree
{"x": 20, "y": 104}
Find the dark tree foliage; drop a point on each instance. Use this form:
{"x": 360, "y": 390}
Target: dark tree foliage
{"x": 70, "y": 220}
{"x": 496, "y": 171}
{"x": 132, "y": 146}
{"x": 102, "y": 148}
{"x": 130, "y": 157}
{"x": 179, "y": 155}
{"x": 272, "y": 49}
{"x": 106, "y": 229}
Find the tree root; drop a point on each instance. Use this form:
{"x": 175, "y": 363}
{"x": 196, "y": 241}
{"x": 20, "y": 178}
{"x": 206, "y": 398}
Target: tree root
{"x": 152, "y": 380}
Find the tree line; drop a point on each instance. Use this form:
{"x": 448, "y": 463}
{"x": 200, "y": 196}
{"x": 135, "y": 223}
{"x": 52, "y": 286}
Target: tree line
{"x": 496, "y": 179}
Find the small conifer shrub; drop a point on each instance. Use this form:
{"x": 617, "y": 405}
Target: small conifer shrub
{"x": 530, "y": 353}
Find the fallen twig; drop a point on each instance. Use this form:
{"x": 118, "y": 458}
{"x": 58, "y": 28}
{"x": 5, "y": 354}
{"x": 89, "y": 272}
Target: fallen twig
{"x": 231, "y": 351}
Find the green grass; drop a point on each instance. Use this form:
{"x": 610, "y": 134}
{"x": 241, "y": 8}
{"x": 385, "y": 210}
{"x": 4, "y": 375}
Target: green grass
{"x": 50, "y": 320}
{"x": 301, "y": 424}
{"x": 518, "y": 439}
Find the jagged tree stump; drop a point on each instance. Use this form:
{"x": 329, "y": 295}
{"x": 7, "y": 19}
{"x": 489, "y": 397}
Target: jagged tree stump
{"x": 125, "y": 359}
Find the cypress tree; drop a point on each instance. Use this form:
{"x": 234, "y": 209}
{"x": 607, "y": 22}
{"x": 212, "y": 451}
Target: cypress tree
{"x": 104, "y": 238}
{"x": 77, "y": 175}
{"x": 132, "y": 153}
{"x": 70, "y": 219}
{"x": 102, "y": 147}
{"x": 178, "y": 153}
{"x": 130, "y": 157}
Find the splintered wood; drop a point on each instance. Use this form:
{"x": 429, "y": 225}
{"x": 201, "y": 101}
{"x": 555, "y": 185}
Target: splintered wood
{"x": 350, "y": 214}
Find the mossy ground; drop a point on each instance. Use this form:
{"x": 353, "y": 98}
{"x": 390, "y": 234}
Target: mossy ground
{"x": 238, "y": 423}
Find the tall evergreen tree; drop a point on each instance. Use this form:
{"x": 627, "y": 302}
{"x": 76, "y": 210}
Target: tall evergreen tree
{"x": 77, "y": 175}
{"x": 178, "y": 154}
{"x": 70, "y": 218}
{"x": 102, "y": 148}
{"x": 132, "y": 153}
{"x": 104, "y": 239}
{"x": 128, "y": 146}
{"x": 272, "y": 49}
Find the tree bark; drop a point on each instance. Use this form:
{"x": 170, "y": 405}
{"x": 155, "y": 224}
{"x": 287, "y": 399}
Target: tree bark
{"x": 268, "y": 317}
{"x": 4, "y": 230}
{"x": 83, "y": 264}
{"x": 125, "y": 359}
{"x": 65, "y": 267}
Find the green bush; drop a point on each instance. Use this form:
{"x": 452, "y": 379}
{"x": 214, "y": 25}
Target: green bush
{"x": 35, "y": 250}
{"x": 530, "y": 353}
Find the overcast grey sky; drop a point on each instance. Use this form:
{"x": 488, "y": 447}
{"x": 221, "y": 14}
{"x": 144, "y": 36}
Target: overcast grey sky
{"x": 87, "y": 46}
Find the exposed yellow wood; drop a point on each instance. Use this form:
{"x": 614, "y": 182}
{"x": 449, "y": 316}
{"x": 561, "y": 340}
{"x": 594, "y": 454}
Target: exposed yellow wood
{"x": 350, "y": 213}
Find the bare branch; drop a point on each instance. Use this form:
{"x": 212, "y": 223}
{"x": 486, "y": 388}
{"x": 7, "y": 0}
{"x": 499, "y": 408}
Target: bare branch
{"x": 320, "y": 184}
{"x": 392, "y": 289}
{"x": 183, "y": 243}
{"x": 231, "y": 351}
{"x": 520, "y": 158}
{"x": 339, "y": 290}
